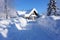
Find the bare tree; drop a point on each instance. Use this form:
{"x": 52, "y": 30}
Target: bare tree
{"x": 6, "y": 8}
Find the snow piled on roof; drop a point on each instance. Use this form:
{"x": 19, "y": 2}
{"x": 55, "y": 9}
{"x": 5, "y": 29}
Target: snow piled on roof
{"x": 31, "y": 10}
{"x": 27, "y": 13}
{"x": 21, "y": 12}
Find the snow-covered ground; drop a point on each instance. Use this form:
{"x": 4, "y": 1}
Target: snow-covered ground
{"x": 20, "y": 24}
{"x": 44, "y": 28}
{"x": 51, "y": 26}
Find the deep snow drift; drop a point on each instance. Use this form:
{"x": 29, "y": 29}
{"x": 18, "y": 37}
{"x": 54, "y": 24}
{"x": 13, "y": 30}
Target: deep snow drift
{"x": 20, "y": 24}
{"x": 51, "y": 25}
{"x": 44, "y": 28}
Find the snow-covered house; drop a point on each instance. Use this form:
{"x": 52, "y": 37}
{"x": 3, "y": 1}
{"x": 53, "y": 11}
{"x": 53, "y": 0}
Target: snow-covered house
{"x": 29, "y": 14}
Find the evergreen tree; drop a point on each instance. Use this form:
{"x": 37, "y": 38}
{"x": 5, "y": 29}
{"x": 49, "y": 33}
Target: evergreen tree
{"x": 51, "y": 8}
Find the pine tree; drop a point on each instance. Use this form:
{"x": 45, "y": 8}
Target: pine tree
{"x": 51, "y": 8}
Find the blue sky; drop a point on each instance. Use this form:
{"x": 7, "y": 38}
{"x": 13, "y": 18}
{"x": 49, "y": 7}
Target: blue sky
{"x": 40, "y": 5}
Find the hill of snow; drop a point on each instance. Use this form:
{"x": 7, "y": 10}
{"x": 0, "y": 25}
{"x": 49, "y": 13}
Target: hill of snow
{"x": 44, "y": 28}
{"x": 51, "y": 25}
{"x": 19, "y": 23}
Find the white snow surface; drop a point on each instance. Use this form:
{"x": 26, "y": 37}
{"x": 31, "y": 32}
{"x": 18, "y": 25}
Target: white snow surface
{"x": 21, "y": 12}
{"x": 55, "y": 17}
{"x": 20, "y": 23}
{"x": 49, "y": 24}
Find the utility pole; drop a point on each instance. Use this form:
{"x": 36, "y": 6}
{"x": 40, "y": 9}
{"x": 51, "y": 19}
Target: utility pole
{"x": 5, "y": 8}
{"x": 51, "y": 8}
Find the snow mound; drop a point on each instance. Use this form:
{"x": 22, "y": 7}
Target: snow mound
{"x": 4, "y": 32}
{"x": 45, "y": 25}
{"x": 3, "y": 27}
{"x": 56, "y": 17}
{"x": 20, "y": 24}
{"x": 51, "y": 25}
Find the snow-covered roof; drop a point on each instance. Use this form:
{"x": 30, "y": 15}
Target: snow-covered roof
{"x": 31, "y": 10}
{"x": 21, "y": 12}
{"x": 27, "y": 13}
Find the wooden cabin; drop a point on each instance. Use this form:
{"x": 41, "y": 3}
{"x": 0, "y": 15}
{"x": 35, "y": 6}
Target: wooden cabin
{"x": 31, "y": 14}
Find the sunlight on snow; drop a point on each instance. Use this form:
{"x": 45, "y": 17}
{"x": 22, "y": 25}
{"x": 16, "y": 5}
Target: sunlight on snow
{"x": 4, "y": 32}
{"x": 55, "y": 17}
{"x": 20, "y": 24}
{"x": 23, "y": 22}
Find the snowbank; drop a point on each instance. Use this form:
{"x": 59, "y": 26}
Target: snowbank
{"x": 56, "y": 17}
{"x": 20, "y": 24}
{"x": 51, "y": 25}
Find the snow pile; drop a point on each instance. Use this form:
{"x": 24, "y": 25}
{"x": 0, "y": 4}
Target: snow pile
{"x": 55, "y": 17}
{"x": 23, "y": 22}
{"x": 51, "y": 25}
{"x": 4, "y": 23}
{"x": 45, "y": 27}
{"x": 4, "y": 32}
{"x": 46, "y": 20}
{"x": 20, "y": 24}
{"x": 3, "y": 27}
